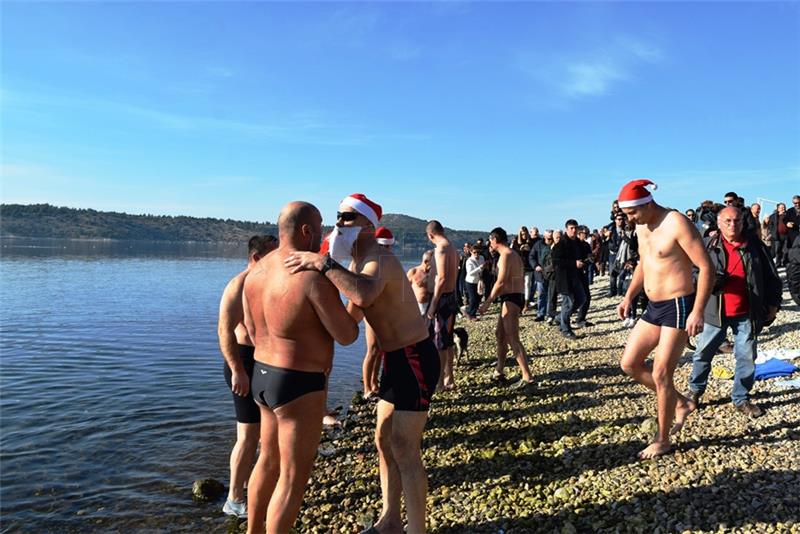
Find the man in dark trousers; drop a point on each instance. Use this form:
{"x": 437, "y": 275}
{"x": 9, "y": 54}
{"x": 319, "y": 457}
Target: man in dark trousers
{"x": 617, "y": 229}
{"x": 584, "y": 253}
{"x": 566, "y": 264}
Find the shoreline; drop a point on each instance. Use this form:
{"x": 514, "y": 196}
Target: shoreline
{"x": 562, "y": 458}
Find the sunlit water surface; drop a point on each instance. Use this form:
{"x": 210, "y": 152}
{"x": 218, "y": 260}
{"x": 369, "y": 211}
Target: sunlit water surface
{"x": 112, "y": 396}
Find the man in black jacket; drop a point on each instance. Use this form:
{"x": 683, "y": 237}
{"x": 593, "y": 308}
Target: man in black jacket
{"x": 617, "y": 229}
{"x": 540, "y": 253}
{"x": 566, "y": 263}
{"x": 584, "y": 250}
{"x": 792, "y": 221}
{"x": 746, "y": 297}
{"x": 778, "y": 231}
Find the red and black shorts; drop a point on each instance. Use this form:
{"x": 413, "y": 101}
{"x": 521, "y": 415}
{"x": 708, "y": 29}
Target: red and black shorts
{"x": 410, "y": 375}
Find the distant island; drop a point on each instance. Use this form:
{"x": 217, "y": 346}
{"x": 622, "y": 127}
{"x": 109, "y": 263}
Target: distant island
{"x": 46, "y": 221}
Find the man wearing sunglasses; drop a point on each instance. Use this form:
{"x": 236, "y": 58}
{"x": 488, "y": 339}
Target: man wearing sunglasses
{"x": 378, "y": 290}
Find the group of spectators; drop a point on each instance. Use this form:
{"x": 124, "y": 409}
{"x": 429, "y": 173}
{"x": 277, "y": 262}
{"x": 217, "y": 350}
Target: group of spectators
{"x": 552, "y": 270}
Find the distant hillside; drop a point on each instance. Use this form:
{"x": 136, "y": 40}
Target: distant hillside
{"x": 44, "y": 220}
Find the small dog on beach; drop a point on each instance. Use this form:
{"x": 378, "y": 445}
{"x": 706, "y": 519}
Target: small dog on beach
{"x": 461, "y": 338}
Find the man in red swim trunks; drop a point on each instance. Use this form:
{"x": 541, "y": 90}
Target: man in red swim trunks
{"x": 379, "y": 291}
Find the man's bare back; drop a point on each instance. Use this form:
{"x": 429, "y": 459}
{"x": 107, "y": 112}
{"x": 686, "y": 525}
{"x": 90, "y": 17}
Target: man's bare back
{"x": 288, "y": 332}
{"x": 422, "y": 278}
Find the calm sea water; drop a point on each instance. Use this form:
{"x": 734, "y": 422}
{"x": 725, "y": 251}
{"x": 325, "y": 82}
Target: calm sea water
{"x": 112, "y": 398}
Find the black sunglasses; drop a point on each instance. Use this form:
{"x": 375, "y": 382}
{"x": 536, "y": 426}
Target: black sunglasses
{"x": 346, "y": 216}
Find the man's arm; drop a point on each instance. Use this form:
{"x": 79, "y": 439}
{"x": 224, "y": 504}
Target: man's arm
{"x": 334, "y": 316}
{"x": 533, "y": 258}
{"x": 636, "y": 285}
{"x": 773, "y": 286}
{"x": 231, "y": 313}
{"x": 498, "y": 284}
{"x": 692, "y": 244}
{"x": 440, "y": 261}
{"x": 361, "y": 289}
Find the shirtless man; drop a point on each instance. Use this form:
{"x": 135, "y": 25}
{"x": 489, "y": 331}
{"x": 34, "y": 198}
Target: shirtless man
{"x": 237, "y": 350}
{"x": 372, "y": 357}
{"x": 293, "y": 319}
{"x": 668, "y": 246}
{"x": 423, "y": 279}
{"x": 508, "y": 290}
{"x": 378, "y": 289}
{"x": 444, "y": 303}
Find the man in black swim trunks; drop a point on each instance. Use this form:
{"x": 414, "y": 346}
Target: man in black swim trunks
{"x": 508, "y": 290}
{"x": 378, "y": 289}
{"x": 444, "y": 303}
{"x": 237, "y": 350}
{"x": 293, "y": 320}
{"x": 669, "y": 244}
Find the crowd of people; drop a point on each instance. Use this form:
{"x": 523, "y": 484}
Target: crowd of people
{"x": 699, "y": 273}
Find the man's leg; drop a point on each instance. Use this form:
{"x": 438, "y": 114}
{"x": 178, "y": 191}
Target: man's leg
{"x": 612, "y": 281}
{"x": 449, "y": 379}
{"x": 566, "y": 311}
{"x": 390, "y": 520}
{"x": 671, "y": 404}
{"x": 587, "y": 299}
{"x": 744, "y": 350}
{"x": 541, "y": 298}
{"x": 707, "y": 344}
{"x": 265, "y": 473}
{"x": 643, "y": 339}
{"x": 528, "y": 289}
{"x": 502, "y": 346}
{"x": 552, "y": 299}
{"x": 243, "y": 457}
{"x": 509, "y": 319}
{"x": 406, "y": 446}
{"x": 299, "y": 432}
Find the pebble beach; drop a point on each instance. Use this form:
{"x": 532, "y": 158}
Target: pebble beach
{"x": 561, "y": 456}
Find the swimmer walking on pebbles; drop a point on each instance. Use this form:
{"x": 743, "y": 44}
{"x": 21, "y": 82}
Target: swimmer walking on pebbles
{"x": 668, "y": 247}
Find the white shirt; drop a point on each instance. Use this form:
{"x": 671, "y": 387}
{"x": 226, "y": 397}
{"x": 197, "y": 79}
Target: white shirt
{"x": 474, "y": 266}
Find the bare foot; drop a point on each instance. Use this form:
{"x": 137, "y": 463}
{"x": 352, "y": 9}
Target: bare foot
{"x": 683, "y": 408}
{"x": 450, "y": 386}
{"x": 654, "y": 450}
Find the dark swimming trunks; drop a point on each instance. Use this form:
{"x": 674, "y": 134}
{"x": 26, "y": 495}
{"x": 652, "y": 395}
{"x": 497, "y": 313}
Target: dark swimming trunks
{"x": 443, "y": 328}
{"x": 246, "y": 409}
{"x": 275, "y": 386}
{"x": 670, "y": 313}
{"x": 409, "y": 376}
{"x": 513, "y": 298}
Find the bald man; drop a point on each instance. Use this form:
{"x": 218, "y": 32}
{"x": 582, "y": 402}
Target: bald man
{"x": 293, "y": 320}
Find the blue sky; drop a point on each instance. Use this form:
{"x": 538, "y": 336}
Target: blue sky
{"x": 478, "y": 114}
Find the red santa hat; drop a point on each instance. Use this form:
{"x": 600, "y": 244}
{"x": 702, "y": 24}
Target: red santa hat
{"x": 325, "y": 246}
{"x": 384, "y": 236}
{"x": 635, "y": 194}
{"x": 364, "y": 206}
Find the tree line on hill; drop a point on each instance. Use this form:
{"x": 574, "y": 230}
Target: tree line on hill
{"x": 46, "y": 221}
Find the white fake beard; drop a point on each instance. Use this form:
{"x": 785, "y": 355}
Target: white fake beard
{"x": 341, "y": 244}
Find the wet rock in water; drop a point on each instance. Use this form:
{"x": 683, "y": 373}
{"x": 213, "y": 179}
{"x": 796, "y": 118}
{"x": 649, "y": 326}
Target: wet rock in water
{"x": 207, "y": 490}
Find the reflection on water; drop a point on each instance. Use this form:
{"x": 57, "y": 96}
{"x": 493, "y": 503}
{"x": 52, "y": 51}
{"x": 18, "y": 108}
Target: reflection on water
{"x": 111, "y": 389}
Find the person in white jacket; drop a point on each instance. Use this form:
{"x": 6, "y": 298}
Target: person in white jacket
{"x": 474, "y": 268}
